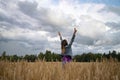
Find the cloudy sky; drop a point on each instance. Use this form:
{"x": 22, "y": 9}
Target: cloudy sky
{"x": 31, "y": 26}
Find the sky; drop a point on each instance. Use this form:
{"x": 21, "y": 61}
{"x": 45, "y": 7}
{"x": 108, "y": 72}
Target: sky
{"x": 31, "y": 26}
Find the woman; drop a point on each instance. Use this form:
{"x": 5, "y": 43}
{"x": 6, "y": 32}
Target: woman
{"x": 66, "y": 49}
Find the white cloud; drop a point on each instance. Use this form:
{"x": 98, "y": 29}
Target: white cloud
{"x": 92, "y": 28}
{"x": 21, "y": 33}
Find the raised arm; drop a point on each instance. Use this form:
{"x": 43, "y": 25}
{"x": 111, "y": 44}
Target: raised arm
{"x": 60, "y": 36}
{"x": 73, "y": 37}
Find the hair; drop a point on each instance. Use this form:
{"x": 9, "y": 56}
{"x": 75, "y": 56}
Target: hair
{"x": 63, "y": 44}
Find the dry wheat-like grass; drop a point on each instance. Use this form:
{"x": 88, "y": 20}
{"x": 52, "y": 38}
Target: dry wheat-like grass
{"x": 54, "y": 71}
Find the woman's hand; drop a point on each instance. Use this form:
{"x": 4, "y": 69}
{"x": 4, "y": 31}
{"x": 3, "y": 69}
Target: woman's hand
{"x": 75, "y": 30}
{"x": 59, "y": 33}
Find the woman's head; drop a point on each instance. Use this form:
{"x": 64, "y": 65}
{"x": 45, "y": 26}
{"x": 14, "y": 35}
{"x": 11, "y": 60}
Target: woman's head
{"x": 63, "y": 44}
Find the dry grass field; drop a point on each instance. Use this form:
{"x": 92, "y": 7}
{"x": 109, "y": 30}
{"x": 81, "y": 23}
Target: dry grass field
{"x": 53, "y": 71}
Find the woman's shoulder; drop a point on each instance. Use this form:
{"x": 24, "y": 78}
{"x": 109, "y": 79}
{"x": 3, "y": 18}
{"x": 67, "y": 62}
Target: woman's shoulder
{"x": 68, "y": 46}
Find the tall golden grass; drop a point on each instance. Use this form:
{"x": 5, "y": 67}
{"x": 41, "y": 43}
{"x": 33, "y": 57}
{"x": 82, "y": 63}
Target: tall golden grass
{"x": 41, "y": 70}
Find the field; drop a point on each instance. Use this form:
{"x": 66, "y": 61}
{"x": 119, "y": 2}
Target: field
{"x": 53, "y": 71}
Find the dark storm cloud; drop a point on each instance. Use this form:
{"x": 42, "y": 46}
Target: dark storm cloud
{"x": 8, "y": 19}
{"x": 114, "y": 32}
{"x": 84, "y": 40}
{"x": 30, "y": 9}
{"x": 11, "y": 20}
{"x": 115, "y": 38}
{"x": 41, "y": 15}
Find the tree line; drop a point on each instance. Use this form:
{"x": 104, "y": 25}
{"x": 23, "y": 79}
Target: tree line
{"x": 51, "y": 56}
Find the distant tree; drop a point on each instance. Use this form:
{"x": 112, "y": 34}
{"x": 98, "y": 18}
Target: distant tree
{"x": 58, "y": 56}
{"x": 99, "y": 57}
{"x": 114, "y": 54}
{"x": 33, "y": 58}
{"x": 20, "y": 58}
{"x": 14, "y": 58}
{"x": 26, "y": 57}
{"x": 3, "y": 57}
{"x": 118, "y": 56}
{"x": 55, "y": 57}
{"x": 104, "y": 55}
{"x": 87, "y": 57}
{"x": 30, "y": 58}
{"x": 83, "y": 57}
{"x": 41, "y": 56}
{"x": 77, "y": 58}
{"x": 110, "y": 52}
{"x": 48, "y": 55}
